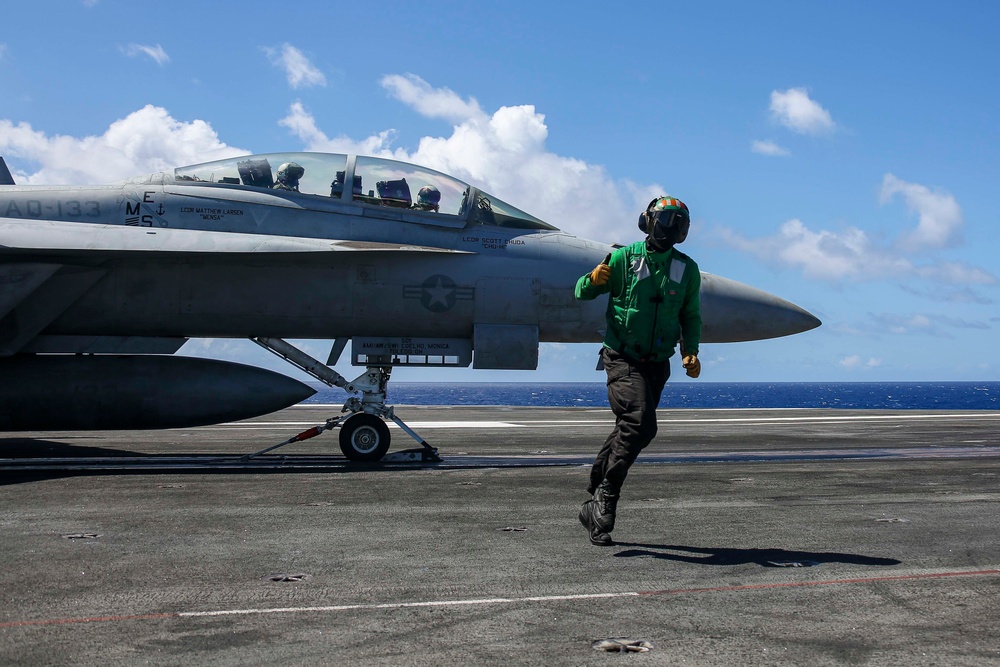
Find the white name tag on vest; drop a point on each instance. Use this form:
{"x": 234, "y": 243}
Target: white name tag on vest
{"x": 677, "y": 270}
{"x": 640, "y": 268}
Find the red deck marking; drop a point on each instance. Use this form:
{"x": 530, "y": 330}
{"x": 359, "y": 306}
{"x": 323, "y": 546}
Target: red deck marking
{"x": 88, "y": 619}
{"x": 822, "y": 582}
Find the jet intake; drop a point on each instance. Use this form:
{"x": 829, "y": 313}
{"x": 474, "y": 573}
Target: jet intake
{"x": 109, "y": 392}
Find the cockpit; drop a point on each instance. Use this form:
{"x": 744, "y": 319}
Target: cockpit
{"x": 365, "y": 181}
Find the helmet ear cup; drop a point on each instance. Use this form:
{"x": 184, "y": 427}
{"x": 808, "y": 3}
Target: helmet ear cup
{"x": 644, "y": 217}
{"x": 682, "y": 229}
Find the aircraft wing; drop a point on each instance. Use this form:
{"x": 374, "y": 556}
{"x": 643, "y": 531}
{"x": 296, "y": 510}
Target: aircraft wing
{"x": 33, "y": 294}
{"x": 52, "y": 236}
{"x": 47, "y": 265}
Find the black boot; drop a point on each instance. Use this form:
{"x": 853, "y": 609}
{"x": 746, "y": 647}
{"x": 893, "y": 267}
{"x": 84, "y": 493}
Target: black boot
{"x": 605, "y": 506}
{"x": 589, "y": 517}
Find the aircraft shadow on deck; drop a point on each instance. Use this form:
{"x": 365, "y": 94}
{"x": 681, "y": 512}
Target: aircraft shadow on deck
{"x": 762, "y": 557}
{"x": 36, "y": 448}
{"x": 26, "y": 460}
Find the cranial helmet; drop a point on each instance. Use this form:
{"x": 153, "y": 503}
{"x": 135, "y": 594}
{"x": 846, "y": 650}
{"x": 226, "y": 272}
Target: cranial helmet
{"x": 289, "y": 174}
{"x": 428, "y": 198}
{"x": 665, "y": 222}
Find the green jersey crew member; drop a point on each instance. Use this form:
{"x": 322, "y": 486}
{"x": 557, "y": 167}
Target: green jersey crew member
{"x": 654, "y": 304}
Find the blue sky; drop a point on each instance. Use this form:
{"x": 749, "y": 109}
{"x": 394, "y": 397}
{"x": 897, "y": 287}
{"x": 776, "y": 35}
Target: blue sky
{"x": 841, "y": 155}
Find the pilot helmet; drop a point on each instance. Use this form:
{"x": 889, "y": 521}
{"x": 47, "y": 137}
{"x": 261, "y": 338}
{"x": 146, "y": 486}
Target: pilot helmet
{"x": 428, "y": 198}
{"x": 665, "y": 221}
{"x": 289, "y": 174}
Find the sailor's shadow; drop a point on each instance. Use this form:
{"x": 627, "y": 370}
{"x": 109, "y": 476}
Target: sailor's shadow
{"x": 763, "y": 557}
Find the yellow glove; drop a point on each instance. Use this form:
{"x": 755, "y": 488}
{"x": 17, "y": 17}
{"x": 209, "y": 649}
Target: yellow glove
{"x": 692, "y": 366}
{"x": 600, "y": 274}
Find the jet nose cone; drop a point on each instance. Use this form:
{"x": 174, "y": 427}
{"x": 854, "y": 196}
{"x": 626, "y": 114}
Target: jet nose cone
{"x": 732, "y": 312}
{"x": 797, "y": 319}
{"x": 810, "y": 321}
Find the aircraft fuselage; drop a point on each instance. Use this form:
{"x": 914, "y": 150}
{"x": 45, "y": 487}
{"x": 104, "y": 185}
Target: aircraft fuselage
{"x": 219, "y": 250}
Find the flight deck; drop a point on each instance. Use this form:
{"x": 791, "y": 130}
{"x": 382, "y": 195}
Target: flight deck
{"x": 744, "y": 536}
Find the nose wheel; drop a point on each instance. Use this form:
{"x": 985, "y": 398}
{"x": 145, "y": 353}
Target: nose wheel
{"x": 364, "y": 437}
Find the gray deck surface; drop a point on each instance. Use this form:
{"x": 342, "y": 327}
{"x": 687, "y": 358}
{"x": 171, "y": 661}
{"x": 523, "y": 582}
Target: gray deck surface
{"x": 751, "y": 537}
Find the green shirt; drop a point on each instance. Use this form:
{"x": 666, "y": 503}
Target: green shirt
{"x": 655, "y": 299}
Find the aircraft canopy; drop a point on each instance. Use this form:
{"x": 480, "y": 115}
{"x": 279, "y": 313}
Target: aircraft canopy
{"x": 373, "y": 181}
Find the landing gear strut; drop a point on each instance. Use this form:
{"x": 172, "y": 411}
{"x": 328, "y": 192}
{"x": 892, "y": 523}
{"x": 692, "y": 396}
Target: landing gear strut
{"x": 364, "y": 435}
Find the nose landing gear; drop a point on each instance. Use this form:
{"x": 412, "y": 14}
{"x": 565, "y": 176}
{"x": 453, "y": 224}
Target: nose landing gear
{"x": 364, "y": 435}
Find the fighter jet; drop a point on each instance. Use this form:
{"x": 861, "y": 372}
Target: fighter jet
{"x": 100, "y": 286}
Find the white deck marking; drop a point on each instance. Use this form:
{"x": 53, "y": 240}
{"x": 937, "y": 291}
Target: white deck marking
{"x": 897, "y": 576}
{"x": 666, "y": 420}
{"x": 413, "y": 425}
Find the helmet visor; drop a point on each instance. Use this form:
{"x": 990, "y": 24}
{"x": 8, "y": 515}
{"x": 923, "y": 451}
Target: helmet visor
{"x": 668, "y": 227}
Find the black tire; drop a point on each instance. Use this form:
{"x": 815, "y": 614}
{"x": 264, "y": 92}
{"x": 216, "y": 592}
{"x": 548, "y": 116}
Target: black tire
{"x": 364, "y": 437}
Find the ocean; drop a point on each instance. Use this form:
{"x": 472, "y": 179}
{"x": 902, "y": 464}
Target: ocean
{"x": 843, "y": 395}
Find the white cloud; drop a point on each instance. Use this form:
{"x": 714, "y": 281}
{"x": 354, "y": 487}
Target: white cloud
{"x": 769, "y": 148}
{"x": 431, "y": 102}
{"x": 851, "y": 254}
{"x": 904, "y": 325}
{"x": 855, "y": 361}
{"x": 155, "y": 52}
{"x": 302, "y": 124}
{"x": 823, "y": 254}
{"x": 145, "y": 141}
{"x": 717, "y": 360}
{"x": 505, "y": 154}
{"x": 301, "y": 73}
{"x": 935, "y": 325}
{"x": 795, "y": 110}
{"x": 956, "y": 273}
{"x": 940, "y": 216}
{"x": 934, "y": 292}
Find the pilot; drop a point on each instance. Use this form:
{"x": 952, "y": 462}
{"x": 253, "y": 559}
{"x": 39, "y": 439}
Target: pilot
{"x": 654, "y": 304}
{"x": 289, "y": 174}
{"x": 428, "y": 199}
